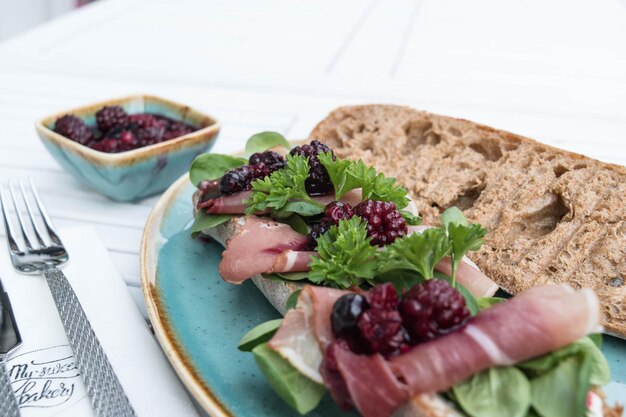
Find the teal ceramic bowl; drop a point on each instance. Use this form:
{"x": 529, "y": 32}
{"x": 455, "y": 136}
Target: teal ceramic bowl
{"x": 131, "y": 175}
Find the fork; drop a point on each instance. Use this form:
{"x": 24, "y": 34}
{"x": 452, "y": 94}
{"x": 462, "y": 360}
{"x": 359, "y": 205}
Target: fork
{"x": 45, "y": 255}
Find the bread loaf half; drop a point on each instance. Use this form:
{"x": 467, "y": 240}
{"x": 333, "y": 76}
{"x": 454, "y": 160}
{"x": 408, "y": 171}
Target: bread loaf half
{"x": 553, "y": 216}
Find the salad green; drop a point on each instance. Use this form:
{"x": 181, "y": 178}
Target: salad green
{"x": 265, "y": 140}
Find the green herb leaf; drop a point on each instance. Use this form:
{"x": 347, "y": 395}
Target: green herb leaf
{"x": 210, "y": 166}
{"x": 303, "y": 208}
{"x": 265, "y": 140}
{"x": 281, "y": 187}
{"x": 496, "y": 392}
{"x": 418, "y": 252}
{"x": 464, "y": 238}
{"x": 292, "y": 300}
{"x": 295, "y": 389}
{"x": 486, "y": 302}
{"x": 453, "y": 215}
{"x": 348, "y": 175}
{"x": 344, "y": 255}
{"x": 206, "y": 221}
{"x": 259, "y": 334}
{"x": 562, "y": 391}
{"x": 411, "y": 219}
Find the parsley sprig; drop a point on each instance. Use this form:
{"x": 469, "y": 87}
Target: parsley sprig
{"x": 348, "y": 175}
{"x": 284, "y": 192}
{"x": 346, "y": 258}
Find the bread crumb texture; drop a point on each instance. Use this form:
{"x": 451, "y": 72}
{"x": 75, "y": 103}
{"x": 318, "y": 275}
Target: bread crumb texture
{"x": 553, "y": 216}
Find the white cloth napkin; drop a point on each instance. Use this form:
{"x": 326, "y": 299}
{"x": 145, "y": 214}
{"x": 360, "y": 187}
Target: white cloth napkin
{"x": 42, "y": 369}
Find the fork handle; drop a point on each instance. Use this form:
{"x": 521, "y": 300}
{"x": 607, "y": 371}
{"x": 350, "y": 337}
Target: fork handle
{"x": 8, "y": 402}
{"x": 103, "y": 387}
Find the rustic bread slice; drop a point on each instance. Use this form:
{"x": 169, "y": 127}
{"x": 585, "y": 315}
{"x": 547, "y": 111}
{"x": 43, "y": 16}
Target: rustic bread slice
{"x": 553, "y": 216}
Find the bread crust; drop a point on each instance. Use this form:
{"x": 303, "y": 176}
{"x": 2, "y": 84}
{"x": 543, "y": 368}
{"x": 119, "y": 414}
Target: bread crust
{"x": 553, "y": 216}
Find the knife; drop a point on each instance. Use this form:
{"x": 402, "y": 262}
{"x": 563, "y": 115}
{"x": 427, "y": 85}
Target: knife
{"x": 9, "y": 340}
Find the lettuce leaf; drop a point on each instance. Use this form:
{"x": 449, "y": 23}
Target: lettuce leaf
{"x": 496, "y": 392}
{"x": 205, "y": 221}
{"x": 298, "y": 391}
{"x": 210, "y": 166}
{"x": 264, "y": 140}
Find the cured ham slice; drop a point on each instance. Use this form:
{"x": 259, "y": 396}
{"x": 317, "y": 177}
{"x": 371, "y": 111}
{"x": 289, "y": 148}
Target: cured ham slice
{"x": 305, "y": 332}
{"x": 235, "y": 203}
{"x": 317, "y": 304}
{"x": 531, "y": 324}
{"x": 255, "y": 246}
{"x": 535, "y": 322}
{"x": 292, "y": 261}
{"x": 209, "y": 187}
{"x": 467, "y": 274}
{"x": 374, "y": 389}
{"x": 228, "y": 204}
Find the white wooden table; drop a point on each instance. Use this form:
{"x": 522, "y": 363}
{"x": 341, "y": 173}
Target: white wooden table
{"x": 554, "y": 71}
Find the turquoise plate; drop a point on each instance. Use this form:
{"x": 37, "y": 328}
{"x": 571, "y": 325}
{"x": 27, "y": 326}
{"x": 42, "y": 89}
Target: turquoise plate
{"x": 199, "y": 319}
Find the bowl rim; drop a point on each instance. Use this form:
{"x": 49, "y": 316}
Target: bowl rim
{"x": 133, "y": 156}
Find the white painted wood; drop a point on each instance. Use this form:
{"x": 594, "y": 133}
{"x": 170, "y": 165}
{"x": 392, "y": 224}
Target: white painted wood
{"x": 554, "y": 71}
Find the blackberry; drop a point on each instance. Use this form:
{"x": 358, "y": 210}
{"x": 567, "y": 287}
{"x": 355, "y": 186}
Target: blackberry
{"x": 384, "y": 222}
{"x": 128, "y": 141}
{"x": 174, "y": 128}
{"x": 318, "y": 182}
{"x": 333, "y": 213}
{"x": 317, "y": 230}
{"x": 384, "y": 297}
{"x": 171, "y": 134}
{"x": 144, "y": 120}
{"x": 109, "y": 117}
{"x": 150, "y": 135}
{"x": 241, "y": 178}
{"x": 337, "y": 210}
{"x": 73, "y": 128}
{"x": 272, "y": 159}
{"x": 107, "y": 145}
{"x": 382, "y": 331}
{"x": 345, "y": 318}
{"x": 432, "y": 309}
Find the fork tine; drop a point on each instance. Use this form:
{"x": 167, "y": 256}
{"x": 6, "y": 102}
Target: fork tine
{"x": 20, "y": 219}
{"x": 54, "y": 237}
{"x": 8, "y": 226}
{"x": 31, "y": 216}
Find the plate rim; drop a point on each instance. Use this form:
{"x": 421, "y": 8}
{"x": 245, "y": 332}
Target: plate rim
{"x": 162, "y": 330}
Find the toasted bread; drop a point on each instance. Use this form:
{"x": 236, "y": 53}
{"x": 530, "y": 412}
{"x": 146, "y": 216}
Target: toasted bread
{"x": 553, "y": 216}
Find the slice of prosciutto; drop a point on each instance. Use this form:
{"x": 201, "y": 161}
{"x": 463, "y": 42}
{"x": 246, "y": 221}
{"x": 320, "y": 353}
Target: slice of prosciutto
{"x": 227, "y": 204}
{"x": 256, "y": 246}
{"x": 533, "y": 323}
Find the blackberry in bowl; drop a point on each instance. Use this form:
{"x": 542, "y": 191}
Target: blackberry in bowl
{"x": 148, "y": 143}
